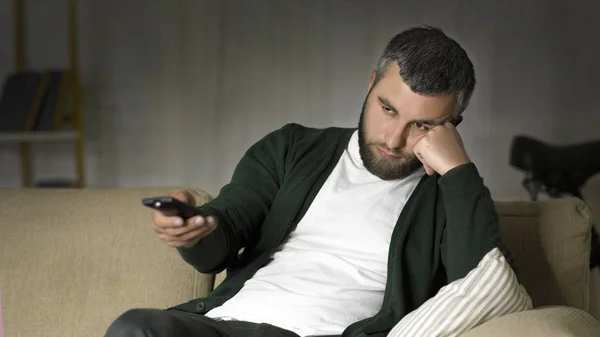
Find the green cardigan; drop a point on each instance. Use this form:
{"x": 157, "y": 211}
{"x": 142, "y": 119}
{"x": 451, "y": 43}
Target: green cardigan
{"x": 448, "y": 224}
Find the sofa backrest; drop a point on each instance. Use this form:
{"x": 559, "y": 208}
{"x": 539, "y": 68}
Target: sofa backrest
{"x": 71, "y": 261}
{"x": 550, "y": 241}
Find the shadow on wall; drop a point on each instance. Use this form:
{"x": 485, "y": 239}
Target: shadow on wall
{"x": 102, "y": 145}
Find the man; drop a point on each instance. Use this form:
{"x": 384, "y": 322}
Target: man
{"x": 343, "y": 231}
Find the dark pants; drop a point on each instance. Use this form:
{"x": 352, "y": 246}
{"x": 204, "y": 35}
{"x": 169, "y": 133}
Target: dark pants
{"x": 174, "y": 323}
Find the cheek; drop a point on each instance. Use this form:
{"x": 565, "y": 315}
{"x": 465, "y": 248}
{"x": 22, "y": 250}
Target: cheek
{"x": 375, "y": 123}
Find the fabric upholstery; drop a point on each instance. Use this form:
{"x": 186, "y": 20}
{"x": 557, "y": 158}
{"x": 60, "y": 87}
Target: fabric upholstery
{"x": 1, "y": 328}
{"x": 72, "y": 260}
{"x": 541, "y": 322}
{"x": 550, "y": 242}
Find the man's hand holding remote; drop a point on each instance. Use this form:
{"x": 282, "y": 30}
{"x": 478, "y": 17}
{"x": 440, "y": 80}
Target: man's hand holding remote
{"x": 180, "y": 233}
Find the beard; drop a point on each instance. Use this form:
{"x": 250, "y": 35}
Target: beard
{"x": 385, "y": 169}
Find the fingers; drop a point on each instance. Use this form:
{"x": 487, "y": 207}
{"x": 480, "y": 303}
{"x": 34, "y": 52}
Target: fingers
{"x": 189, "y": 238}
{"x": 162, "y": 220}
{"x": 428, "y": 168}
{"x": 441, "y": 149}
{"x": 191, "y": 224}
{"x": 188, "y": 234}
{"x": 176, "y": 232}
{"x": 449, "y": 125}
{"x": 184, "y": 196}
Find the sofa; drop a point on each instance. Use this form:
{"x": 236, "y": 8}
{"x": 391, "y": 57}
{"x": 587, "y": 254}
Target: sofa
{"x": 72, "y": 260}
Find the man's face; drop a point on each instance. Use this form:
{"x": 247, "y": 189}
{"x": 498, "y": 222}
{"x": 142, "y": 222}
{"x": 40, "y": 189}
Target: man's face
{"x": 393, "y": 120}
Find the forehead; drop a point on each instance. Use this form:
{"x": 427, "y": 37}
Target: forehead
{"x": 392, "y": 88}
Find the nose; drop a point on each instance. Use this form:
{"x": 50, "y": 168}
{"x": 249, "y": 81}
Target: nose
{"x": 396, "y": 138}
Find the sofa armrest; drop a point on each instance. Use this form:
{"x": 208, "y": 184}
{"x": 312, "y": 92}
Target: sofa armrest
{"x": 541, "y": 322}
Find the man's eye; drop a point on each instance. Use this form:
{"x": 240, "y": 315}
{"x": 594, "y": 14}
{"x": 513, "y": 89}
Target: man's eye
{"x": 387, "y": 110}
{"x": 421, "y": 126}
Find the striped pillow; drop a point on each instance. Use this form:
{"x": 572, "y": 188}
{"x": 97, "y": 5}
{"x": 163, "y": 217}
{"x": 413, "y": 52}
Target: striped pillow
{"x": 490, "y": 290}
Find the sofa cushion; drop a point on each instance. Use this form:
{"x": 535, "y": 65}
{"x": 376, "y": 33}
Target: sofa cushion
{"x": 488, "y": 291}
{"x": 550, "y": 242}
{"x": 71, "y": 261}
{"x": 541, "y": 322}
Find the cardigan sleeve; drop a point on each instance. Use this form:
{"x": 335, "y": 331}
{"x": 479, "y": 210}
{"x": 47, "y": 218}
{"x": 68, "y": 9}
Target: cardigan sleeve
{"x": 242, "y": 205}
{"x": 472, "y": 228}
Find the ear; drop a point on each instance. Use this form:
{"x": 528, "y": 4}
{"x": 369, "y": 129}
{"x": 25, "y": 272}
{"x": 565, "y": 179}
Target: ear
{"x": 373, "y": 73}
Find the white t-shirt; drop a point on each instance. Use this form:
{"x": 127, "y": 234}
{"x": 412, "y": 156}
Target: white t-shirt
{"x": 332, "y": 270}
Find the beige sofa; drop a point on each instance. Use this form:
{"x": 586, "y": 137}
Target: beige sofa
{"x": 72, "y": 260}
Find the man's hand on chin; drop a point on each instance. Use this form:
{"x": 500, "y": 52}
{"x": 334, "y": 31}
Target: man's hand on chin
{"x": 441, "y": 149}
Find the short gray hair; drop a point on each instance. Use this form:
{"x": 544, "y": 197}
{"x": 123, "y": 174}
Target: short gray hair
{"x": 431, "y": 64}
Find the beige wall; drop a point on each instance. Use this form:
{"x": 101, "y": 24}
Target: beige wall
{"x": 177, "y": 90}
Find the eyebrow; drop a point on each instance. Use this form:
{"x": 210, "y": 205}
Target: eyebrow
{"x": 429, "y": 122}
{"x": 387, "y": 103}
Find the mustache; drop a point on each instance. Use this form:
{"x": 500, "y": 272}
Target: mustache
{"x": 396, "y": 153}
